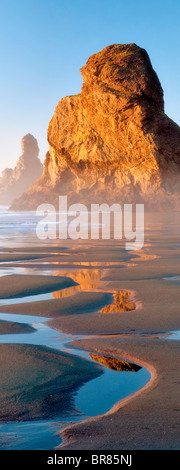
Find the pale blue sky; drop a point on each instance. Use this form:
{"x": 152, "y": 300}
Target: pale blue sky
{"x": 44, "y": 43}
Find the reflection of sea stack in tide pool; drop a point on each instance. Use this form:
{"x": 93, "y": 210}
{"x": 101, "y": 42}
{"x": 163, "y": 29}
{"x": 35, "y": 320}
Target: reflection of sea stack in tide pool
{"x": 113, "y": 141}
{"x": 14, "y": 183}
{"x": 115, "y": 364}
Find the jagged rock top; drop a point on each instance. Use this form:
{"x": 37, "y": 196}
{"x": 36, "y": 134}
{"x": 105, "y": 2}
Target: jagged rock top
{"x": 28, "y": 168}
{"x": 29, "y": 146}
{"x": 124, "y": 69}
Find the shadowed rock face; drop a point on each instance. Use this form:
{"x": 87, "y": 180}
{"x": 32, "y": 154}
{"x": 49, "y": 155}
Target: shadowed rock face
{"x": 14, "y": 183}
{"x": 112, "y": 142}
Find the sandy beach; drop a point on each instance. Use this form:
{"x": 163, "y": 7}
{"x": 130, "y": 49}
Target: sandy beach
{"x": 38, "y": 382}
{"x": 148, "y": 419}
{"x": 124, "y": 305}
{"x": 21, "y": 286}
{"x": 8, "y": 327}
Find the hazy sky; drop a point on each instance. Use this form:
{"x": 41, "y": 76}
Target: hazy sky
{"x": 44, "y": 43}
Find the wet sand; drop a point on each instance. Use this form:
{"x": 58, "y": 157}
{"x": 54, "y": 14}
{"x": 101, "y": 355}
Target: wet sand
{"x": 39, "y": 382}
{"x": 6, "y": 257}
{"x": 147, "y": 420}
{"x": 16, "y": 285}
{"x": 154, "y": 313}
{"x": 9, "y": 328}
{"x": 150, "y": 418}
{"x": 76, "y": 304}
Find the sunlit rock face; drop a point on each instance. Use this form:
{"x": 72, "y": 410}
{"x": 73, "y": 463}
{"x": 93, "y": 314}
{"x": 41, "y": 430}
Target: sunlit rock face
{"x": 14, "y": 183}
{"x": 112, "y": 142}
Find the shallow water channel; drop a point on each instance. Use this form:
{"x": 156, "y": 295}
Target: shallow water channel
{"x": 95, "y": 397}
{"x": 99, "y": 395}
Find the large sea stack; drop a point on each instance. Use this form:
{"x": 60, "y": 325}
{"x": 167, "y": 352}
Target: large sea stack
{"x": 112, "y": 142}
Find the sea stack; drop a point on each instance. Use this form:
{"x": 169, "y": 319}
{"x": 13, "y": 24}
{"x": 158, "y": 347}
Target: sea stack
{"x": 113, "y": 141}
{"x": 14, "y": 183}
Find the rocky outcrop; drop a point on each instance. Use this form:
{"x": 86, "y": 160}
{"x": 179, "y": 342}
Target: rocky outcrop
{"x": 112, "y": 142}
{"x": 14, "y": 183}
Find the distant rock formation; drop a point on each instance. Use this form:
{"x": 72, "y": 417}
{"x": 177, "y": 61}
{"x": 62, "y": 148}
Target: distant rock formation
{"x": 14, "y": 183}
{"x": 112, "y": 142}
